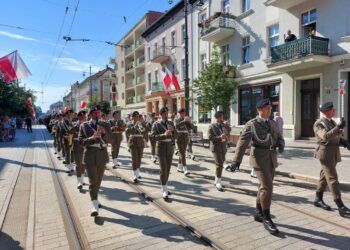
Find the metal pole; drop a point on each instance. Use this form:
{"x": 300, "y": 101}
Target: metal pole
{"x": 90, "y": 84}
{"x": 187, "y": 80}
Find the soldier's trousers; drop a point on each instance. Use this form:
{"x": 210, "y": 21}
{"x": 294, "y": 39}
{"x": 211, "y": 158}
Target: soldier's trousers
{"x": 61, "y": 142}
{"x": 189, "y": 147}
{"x": 136, "y": 156}
{"x": 182, "y": 142}
{"x": 54, "y": 140}
{"x": 78, "y": 157}
{"x": 153, "y": 145}
{"x": 68, "y": 153}
{"x": 116, "y": 141}
{"x": 146, "y": 136}
{"x": 59, "y": 145}
{"x": 219, "y": 158}
{"x": 265, "y": 176}
{"x": 328, "y": 175}
{"x": 165, "y": 151}
{"x": 95, "y": 174}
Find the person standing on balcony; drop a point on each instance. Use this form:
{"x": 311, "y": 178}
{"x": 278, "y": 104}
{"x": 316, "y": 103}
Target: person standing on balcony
{"x": 329, "y": 138}
{"x": 290, "y": 37}
{"x": 265, "y": 138}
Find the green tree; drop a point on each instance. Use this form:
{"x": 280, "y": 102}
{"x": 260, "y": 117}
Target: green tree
{"x": 104, "y": 105}
{"x": 213, "y": 88}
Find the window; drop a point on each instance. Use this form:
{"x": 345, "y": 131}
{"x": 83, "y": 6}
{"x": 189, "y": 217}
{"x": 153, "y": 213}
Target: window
{"x": 245, "y": 5}
{"x": 246, "y": 50}
{"x": 149, "y": 81}
{"x": 183, "y": 34}
{"x": 183, "y": 68}
{"x": 202, "y": 16}
{"x": 173, "y": 68}
{"x": 273, "y": 35}
{"x": 225, "y": 54}
{"x": 203, "y": 61}
{"x": 122, "y": 79}
{"x": 204, "y": 116}
{"x": 163, "y": 45}
{"x": 173, "y": 39}
{"x": 249, "y": 96}
{"x": 122, "y": 96}
{"x": 122, "y": 64}
{"x": 308, "y": 22}
{"x": 226, "y": 6}
{"x": 156, "y": 76}
{"x": 148, "y": 54}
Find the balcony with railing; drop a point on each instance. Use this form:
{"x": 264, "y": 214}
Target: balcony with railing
{"x": 131, "y": 100}
{"x": 140, "y": 98}
{"x": 140, "y": 80}
{"x": 284, "y": 4}
{"x": 130, "y": 67}
{"x": 129, "y": 49}
{"x": 161, "y": 54}
{"x": 158, "y": 87}
{"x": 130, "y": 84}
{"x": 305, "y": 52}
{"x": 139, "y": 43}
{"x": 139, "y": 61}
{"x": 218, "y": 27}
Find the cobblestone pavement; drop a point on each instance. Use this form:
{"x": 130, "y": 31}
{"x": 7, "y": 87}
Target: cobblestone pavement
{"x": 129, "y": 221}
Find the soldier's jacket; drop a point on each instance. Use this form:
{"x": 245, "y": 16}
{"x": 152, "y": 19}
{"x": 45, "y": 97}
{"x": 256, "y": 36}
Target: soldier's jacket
{"x": 149, "y": 125}
{"x": 328, "y": 136}
{"x": 95, "y": 150}
{"x": 137, "y": 128}
{"x": 144, "y": 125}
{"x": 120, "y": 123}
{"x": 263, "y": 152}
{"x": 53, "y": 125}
{"x": 158, "y": 129}
{"x": 216, "y": 143}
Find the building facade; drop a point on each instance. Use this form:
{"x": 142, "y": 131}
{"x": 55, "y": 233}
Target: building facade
{"x": 297, "y": 76}
{"x": 164, "y": 47}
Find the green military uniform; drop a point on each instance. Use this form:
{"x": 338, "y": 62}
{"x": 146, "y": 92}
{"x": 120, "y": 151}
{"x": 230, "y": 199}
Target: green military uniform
{"x": 60, "y": 142}
{"x": 145, "y": 132}
{"x": 134, "y": 132}
{"x": 66, "y": 130}
{"x": 78, "y": 151}
{"x": 95, "y": 156}
{"x": 117, "y": 129}
{"x": 164, "y": 149}
{"x": 328, "y": 135}
{"x": 182, "y": 142}
{"x": 153, "y": 142}
{"x": 218, "y": 147}
{"x": 54, "y": 133}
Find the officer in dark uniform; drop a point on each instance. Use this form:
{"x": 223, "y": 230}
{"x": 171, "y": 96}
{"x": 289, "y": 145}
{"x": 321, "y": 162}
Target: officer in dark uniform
{"x": 164, "y": 132}
{"x": 78, "y": 150}
{"x": 135, "y": 134}
{"x": 182, "y": 140}
{"x": 93, "y": 135}
{"x": 328, "y": 135}
{"x": 265, "y": 137}
{"x": 117, "y": 127}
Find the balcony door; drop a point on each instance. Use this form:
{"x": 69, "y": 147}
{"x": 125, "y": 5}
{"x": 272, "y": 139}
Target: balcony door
{"x": 310, "y": 103}
{"x": 226, "y": 9}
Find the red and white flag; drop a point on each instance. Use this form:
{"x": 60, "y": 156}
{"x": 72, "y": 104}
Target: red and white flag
{"x": 30, "y": 106}
{"x": 13, "y": 68}
{"x": 82, "y": 104}
{"x": 166, "y": 80}
{"x": 173, "y": 79}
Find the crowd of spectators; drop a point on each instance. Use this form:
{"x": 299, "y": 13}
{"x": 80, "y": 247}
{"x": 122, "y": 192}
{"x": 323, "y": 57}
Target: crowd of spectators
{"x": 8, "y": 127}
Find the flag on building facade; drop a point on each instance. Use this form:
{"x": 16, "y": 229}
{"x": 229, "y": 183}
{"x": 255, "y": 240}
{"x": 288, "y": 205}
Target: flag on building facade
{"x": 13, "y": 68}
{"x": 173, "y": 78}
{"x": 166, "y": 80}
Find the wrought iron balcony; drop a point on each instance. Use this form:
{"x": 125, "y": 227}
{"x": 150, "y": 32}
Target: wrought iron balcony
{"x": 218, "y": 27}
{"x": 302, "y": 47}
{"x": 161, "y": 54}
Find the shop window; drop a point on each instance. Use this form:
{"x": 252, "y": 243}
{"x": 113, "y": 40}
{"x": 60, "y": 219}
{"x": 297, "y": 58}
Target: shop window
{"x": 204, "y": 116}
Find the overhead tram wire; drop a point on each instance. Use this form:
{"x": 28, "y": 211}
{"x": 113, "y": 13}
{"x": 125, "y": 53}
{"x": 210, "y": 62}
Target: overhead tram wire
{"x": 25, "y": 29}
{"x": 57, "y": 41}
{"x": 65, "y": 44}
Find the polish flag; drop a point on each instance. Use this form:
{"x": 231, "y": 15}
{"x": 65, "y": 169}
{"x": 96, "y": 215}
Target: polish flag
{"x": 82, "y": 104}
{"x": 13, "y": 68}
{"x": 166, "y": 80}
{"x": 173, "y": 79}
{"x": 30, "y": 106}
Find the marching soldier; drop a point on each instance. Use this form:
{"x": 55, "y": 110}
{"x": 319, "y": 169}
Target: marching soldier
{"x": 53, "y": 127}
{"x": 152, "y": 141}
{"x": 328, "y": 135}
{"x": 78, "y": 150}
{"x": 227, "y": 129}
{"x": 192, "y": 129}
{"x": 265, "y": 137}
{"x": 59, "y": 139}
{"x": 145, "y": 133}
{"x": 182, "y": 140}
{"x": 117, "y": 128}
{"x": 218, "y": 146}
{"x": 134, "y": 132}
{"x": 164, "y": 133}
{"x": 93, "y": 136}
{"x": 66, "y": 129}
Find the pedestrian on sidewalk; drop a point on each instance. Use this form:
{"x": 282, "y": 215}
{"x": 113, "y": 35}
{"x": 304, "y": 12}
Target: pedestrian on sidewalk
{"x": 265, "y": 137}
{"x": 329, "y": 137}
{"x": 93, "y": 136}
{"x": 135, "y": 132}
{"x": 28, "y": 121}
{"x": 164, "y": 133}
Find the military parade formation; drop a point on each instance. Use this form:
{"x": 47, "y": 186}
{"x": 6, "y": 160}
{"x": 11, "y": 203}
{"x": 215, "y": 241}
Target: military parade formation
{"x": 81, "y": 142}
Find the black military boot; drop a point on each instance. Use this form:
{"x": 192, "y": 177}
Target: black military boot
{"x": 268, "y": 223}
{"x": 258, "y": 216}
{"x": 320, "y": 203}
{"x": 343, "y": 210}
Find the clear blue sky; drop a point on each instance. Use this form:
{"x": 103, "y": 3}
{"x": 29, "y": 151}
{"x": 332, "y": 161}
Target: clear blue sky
{"x": 42, "y": 19}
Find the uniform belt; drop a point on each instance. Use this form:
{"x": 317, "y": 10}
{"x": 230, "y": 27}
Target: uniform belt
{"x": 264, "y": 147}
{"x": 117, "y": 132}
{"x": 182, "y": 132}
{"x": 166, "y": 140}
{"x": 76, "y": 139}
{"x": 98, "y": 145}
{"x": 329, "y": 145}
{"x": 136, "y": 136}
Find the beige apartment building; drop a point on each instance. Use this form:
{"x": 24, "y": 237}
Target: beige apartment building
{"x": 164, "y": 44}
{"x": 130, "y": 67}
